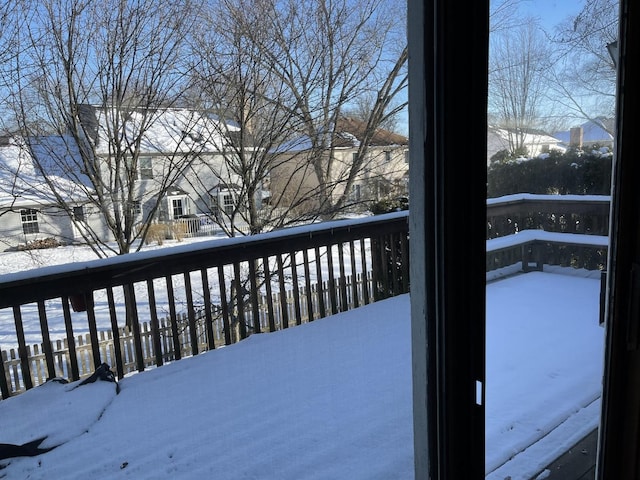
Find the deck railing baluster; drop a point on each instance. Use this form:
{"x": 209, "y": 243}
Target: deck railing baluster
{"x": 173, "y": 315}
{"x": 208, "y": 305}
{"x": 296, "y": 288}
{"x": 283, "y": 292}
{"x": 71, "y": 344}
{"x": 269, "y": 294}
{"x": 129, "y": 286}
{"x": 320, "y": 284}
{"x": 344, "y": 306}
{"x": 191, "y": 314}
{"x": 46, "y": 340}
{"x": 239, "y": 301}
{"x": 225, "y": 306}
{"x": 307, "y": 284}
{"x": 155, "y": 324}
{"x": 354, "y": 275}
{"x": 333, "y": 299}
{"x": 255, "y": 307}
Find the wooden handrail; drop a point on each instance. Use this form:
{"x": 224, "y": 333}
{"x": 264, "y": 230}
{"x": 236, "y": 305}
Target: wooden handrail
{"x": 52, "y": 282}
{"x": 215, "y": 292}
{"x": 231, "y": 288}
{"x": 588, "y": 214}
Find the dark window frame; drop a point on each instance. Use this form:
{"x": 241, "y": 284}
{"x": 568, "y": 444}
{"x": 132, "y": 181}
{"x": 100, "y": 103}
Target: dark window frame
{"x": 79, "y": 214}
{"x": 29, "y": 220}
{"x": 448, "y": 336}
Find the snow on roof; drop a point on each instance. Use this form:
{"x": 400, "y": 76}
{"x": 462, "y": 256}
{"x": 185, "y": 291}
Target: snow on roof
{"x": 163, "y": 130}
{"x": 348, "y": 134}
{"x": 22, "y": 184}
{"x": 15, "y": 158}
{"x": 532, "y": 137}
{"x": 58, "y": 155}
{"x": 593, "y": 131}
{"x": 521, "y": 197}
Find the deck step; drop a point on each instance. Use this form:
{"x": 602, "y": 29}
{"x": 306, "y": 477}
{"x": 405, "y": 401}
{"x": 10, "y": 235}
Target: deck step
{"x": 578, "y": 463}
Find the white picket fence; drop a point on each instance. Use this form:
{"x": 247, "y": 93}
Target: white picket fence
{"x": 61, "y": 351}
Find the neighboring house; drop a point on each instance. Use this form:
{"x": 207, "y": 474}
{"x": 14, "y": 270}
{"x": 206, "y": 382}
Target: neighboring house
{"x": 29, "y": 211}
{"x": 598, "y": 131}
{"x": 384, "y": 171}
{"x": 183, "y": 157}
{"x": 535, "y": 141}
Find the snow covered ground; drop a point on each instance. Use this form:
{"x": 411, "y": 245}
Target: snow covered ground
{"x": 326, "y": 400}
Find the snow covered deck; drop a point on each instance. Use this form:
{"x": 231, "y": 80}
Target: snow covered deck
{"x": 328, "y": 399}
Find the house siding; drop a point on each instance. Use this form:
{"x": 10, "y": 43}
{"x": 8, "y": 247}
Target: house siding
{"x": 384, "y": 173}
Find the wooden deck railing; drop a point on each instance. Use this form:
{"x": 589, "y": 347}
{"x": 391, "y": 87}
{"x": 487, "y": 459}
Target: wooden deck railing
{"x": 585, "y": 214}
{"x": 145, "y": 309}
{"x": 526, "y": 228}
{"x": 160, "y": 306}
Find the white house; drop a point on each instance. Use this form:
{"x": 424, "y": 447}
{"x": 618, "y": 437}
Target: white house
{"x": 535, "y": 141}
{"x": 384, "y": 171}
{"x": 183, "y": 156}
{"x": 30, "y": 211}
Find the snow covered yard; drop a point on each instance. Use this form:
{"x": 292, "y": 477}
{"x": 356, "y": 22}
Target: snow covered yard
{"x": 330, "y": 399}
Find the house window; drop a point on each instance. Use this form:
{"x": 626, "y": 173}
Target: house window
{"x": 146, "y": 168}
{"x": 227, "y": 203}
{"x": 78, "y": 214}
{"x": 136, "y": 208}
{"x": 178, "y": 208}
{"x": 223, "y": 203}
{"x": 356, "y": 192}
{"x": 29, "y": 219}
{"x": 406, "y": 156}
{"x": 387, "y": 156}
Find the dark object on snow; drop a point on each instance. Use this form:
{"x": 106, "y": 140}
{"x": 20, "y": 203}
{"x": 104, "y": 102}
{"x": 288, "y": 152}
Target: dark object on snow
{"x": 104, "y": 373}
{"x": 29, "y": 449}
{"x": 78, "y": 302}
{"x": 58, "y": 380}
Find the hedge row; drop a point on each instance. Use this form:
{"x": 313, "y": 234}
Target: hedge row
{"x": 573, "y": 172}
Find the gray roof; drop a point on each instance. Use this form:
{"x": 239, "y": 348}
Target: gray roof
{"x": 593, "y": 131}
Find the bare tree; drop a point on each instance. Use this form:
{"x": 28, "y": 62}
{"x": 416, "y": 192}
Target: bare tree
{"x": 519, "y": 61}
{"x": 125, "y": 59}
{"x": 585, "y": 75}
{"x": 10, "y": 26}
{"x": 504, "y": 16}
{"x": 286, "y": 72}
{"x": 230, "y": 81}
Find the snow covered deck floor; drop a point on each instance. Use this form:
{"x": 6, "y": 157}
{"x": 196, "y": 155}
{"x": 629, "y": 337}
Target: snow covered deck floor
{"x": 544, "y": 368}
{"x": 330, "y": 399}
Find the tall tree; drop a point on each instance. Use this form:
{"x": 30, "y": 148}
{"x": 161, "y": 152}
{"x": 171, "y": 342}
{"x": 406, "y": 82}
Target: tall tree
{"x": 585, "y": 75}
{"x": 330, "y": 52}
{"x": 10, "y": 25}
{"x": 230, "y": 81}
{"x": 124, "y": 57}
{"x": 519, "y": 61}
{"x": 286, "y": 72}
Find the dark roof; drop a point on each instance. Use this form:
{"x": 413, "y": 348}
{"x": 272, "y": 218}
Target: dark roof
{"x": 357, "y": 129}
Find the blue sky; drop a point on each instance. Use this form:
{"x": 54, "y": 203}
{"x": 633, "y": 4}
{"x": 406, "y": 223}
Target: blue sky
{"x": 551, "y": 12}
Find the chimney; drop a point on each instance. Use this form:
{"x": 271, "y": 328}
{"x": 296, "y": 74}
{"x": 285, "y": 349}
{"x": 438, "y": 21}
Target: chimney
{"x": 575, "y": 137}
